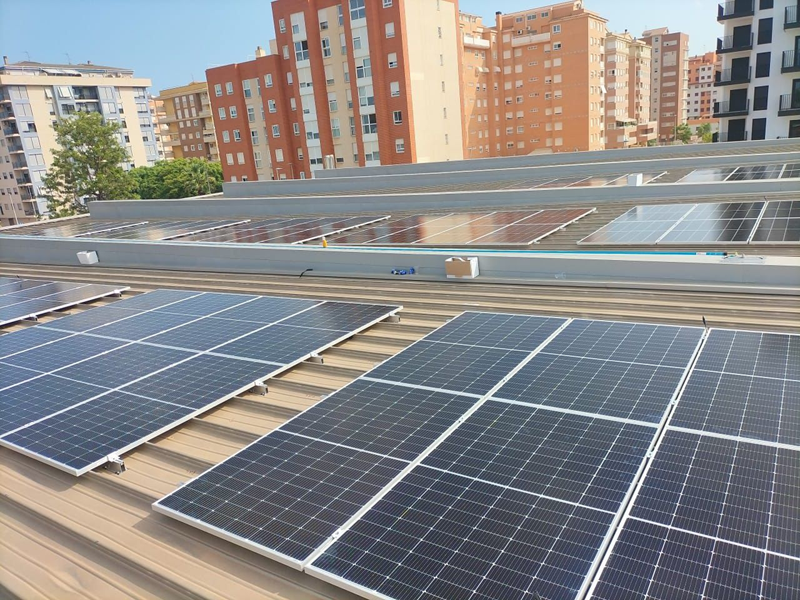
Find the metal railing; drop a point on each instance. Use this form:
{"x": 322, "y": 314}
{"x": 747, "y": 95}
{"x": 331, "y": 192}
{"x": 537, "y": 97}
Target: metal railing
{"x": 791, "y": 60}
{"x": 790, "y": 17}
{"x": 728, "y": 107}
{"x": 732, "y": 43}
{"x": 789, "y": 103}
{"x": 733, "y": 76}
{"x": 736, "y": 136}
{"x": 735, "y": 8}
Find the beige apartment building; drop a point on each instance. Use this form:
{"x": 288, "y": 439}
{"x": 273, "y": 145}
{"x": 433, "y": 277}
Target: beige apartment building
{"x": 188, "y": 126}
{"x": 362, "y": 82}
{"x": 669, "y": 80}
{"x": 534, "y": 82}
{"x": 627, "y": 81}
{"x": 34, "y": 95}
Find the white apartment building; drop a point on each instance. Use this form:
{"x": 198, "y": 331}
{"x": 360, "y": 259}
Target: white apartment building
{"x": 760, "y": 76}
{"x": 35, "y": 95}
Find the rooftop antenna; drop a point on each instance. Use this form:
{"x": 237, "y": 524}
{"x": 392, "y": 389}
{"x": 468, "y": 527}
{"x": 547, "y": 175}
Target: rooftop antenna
{"x": 705, "y": 324}
{"x": 28, "y": 55}
{"x": 69, "y": 60}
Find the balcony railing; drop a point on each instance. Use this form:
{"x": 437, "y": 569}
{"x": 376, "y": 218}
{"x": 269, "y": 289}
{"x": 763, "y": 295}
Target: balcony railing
{"x": 790, "y": 19}
{"x": 731, "y": 109}
{"x": 735, "y": 9}
{"x": 733, "y": 76}
{"x": 734, "y": 43}
{"x": 789, "y": 105}
{"x": 733, "y": 136}
{"x": 791, "y": 61}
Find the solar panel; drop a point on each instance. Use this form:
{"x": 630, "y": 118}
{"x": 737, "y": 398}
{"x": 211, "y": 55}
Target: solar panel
{"x": 337, "y": 316}
{"x": 496, "y": 330}
{"x": 639, "y": 225}
{"x": 124, "y": 384}
{"x": 24, "y": 299}
{"x": 791, "y": 170}
{"x": 708, "y": 175}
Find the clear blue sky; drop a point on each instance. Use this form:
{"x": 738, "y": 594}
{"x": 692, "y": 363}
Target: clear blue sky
{"x": 173, "y": 41}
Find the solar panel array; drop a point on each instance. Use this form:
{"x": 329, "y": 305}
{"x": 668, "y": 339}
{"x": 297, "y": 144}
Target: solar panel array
{"x": 502, "y": 228}
{"x": 743, "y": 173}
{"x": 279, "y": 230}
{"x": 28, "y": 298}
{"x": 717, "y": 513}
{"x": 729, "y": 223}
{"x": 81, "y": 389}
{"x": 466, "y": 466}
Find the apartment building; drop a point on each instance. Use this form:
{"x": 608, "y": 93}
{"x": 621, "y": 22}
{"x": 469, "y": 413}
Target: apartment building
{"x": 189, "y": 126}
{"x": 627, "y": 82}
{"x": 702, "y": 91}
{"x": 346, "y": 83}
{"x": 158, "y": 115}
{"x": 759, "y": 83}
{"x": 534, "y": 82}
{"x": 35, "y": 95}
{"x": 669, "y": 80}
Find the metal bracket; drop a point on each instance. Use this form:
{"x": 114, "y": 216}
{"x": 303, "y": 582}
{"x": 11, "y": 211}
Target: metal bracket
{"x": 316, "y": 358}
{"x": 115, "y": 464}
{"x": 260, "y": 388}
{"x": 393, "y": 319}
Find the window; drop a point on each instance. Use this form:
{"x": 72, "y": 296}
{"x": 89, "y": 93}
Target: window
{"x": 286, "y": 52}
{"x": 329, "y": 75}
{"x": 399, "y": 145}
{"x": 237, "y": 136}
{"x": 353, "y": 127}
{"x": 257, "y": 158}
{"x": 387, "y": 3}
{"x": 323, "y": 25}
{"x": 369, "y": 124}
{"x": 439, "y": 31}
{"x": 217, "y": 89}
{"x": 268, "y": 80}
{"x": 343, "y": 43}
{"x": 228, "y": 158}
{"x": 191, "y": 147}
{"x": 251, "y": 114}
{"x": 765, "y": 31}
{"x": 333, "y": 105}
{"x": 762, "y": 64}
{"x": 276, "y": 131}
{"x": 398, "y": 117}
{"x": 335, "y": 128}
{"x": 296, "y": 128}
{"x": 301, "y": 50}
{"x": 366, "y": 96}
{"x": 357, "y": 10}
{"x": 390, "y": 30}
{"x": 279, "y": 155}
{"x": 392, "y": 60}
{"x": 765, "y": 4}
{"x": 300, "y": 155}
{"x": 556, "y": 29}
{"x": 356, "y": 42}
{"x": 226, "y": 136}
{"x": 295, "y": 28}
{"x": 394, "y": 89}
{"x": 254, "y": 136}
{"x": 282, "y": 25}
{"x": 326, "y": 47}
{"x": 222, "y": 114}
{"x": 340, "y": 14}
{"x": 271, "y": 106}
{"x": 246, "y": 87}
{"x": 229, "y": 88}
{"x": 556, "y": 45}
{"x": 233, "y": 112}
{"x": 363, "y": 68}
{"x": 289, "y": 78}
{"x": 760, "y": 95}
{"x": 240, "y": 157}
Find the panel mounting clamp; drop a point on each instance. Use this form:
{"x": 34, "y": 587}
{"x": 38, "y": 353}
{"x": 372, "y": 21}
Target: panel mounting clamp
{"x": 115, "y": 464}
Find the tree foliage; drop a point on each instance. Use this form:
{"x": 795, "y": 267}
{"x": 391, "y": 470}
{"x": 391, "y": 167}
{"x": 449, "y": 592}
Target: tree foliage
{"x": 179, "y": 178}
{"x": 683, "y": 133}
{"x": 704, "y": 132}
{"x": 86, "y": 165}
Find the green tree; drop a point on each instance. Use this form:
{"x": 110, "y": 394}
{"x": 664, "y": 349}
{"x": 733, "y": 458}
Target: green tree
{"x": 683, "y": 133}
{"x": 86, "y": 165}
{"x": 704, "y": 132}
{"x": 178, "y": 178}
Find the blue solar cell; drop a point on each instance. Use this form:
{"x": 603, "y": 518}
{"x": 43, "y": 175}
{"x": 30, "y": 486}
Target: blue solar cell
{"x": 25, "y": 339}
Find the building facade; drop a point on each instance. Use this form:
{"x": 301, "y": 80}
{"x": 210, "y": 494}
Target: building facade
{"x": 34, "y": 95}
{"x": 344, "y": 84}
{"x": 534, "y": 82}
{"x": 759, "y": 82}
{"x": 669, "y": 80}
{"x": 187, "y": 122}
{"x": 627, "y": 81}
{"x": 702, "y": 90}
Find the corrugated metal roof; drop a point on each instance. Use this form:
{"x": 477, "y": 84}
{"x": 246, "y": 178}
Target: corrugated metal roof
{"x": 97, "y": 537}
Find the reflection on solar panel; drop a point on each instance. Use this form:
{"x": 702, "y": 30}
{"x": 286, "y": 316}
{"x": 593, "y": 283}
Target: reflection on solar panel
{"x": 166, "y": 230}
{"x": 517, "y": 228}
{"x": 28, "y": 298}
{"x": 717, "y": 513}
{"x": 756, "y": 172}
{"x": 150, "y": 362}
{"x": 69, "y": 227}
{"x": 791, "y": 170}
{"x": 709, "y": 223}
{"x": 708, "y": 175}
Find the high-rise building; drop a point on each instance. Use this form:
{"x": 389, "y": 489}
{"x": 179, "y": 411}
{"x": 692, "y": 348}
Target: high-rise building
{"x": 158, "y": 114}
{"x": 702, "y": 90}
{"x": 34, "y": 95}
{"x": 669, "y": 80}
{"x": 188, "y": 121}
{"x": 345, "y": 83}
{"x": 534, "y": 82}
{"x": 627, "y": 82}
{"x": 759, "y": 83}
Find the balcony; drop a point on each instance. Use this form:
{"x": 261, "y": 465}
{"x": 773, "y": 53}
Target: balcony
{"x": 789, "y": 106}
{"x": 791, "y": 62}
{"x": 733, "y": 136}
{"x": 11, "y": 130}
{"x": 732, "y": 76}
{"x": 735, "y": 9}
{"x": 15, "y": 148}
{"x": 790, "y": 17}
{"x": 734, "y": 43}
{"x": 7, "y": 115}
{"x": 732, "y": 109}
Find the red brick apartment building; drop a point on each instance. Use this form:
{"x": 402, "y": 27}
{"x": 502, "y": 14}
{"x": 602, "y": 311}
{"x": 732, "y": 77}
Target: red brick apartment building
{"x": 346, "y": 83}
